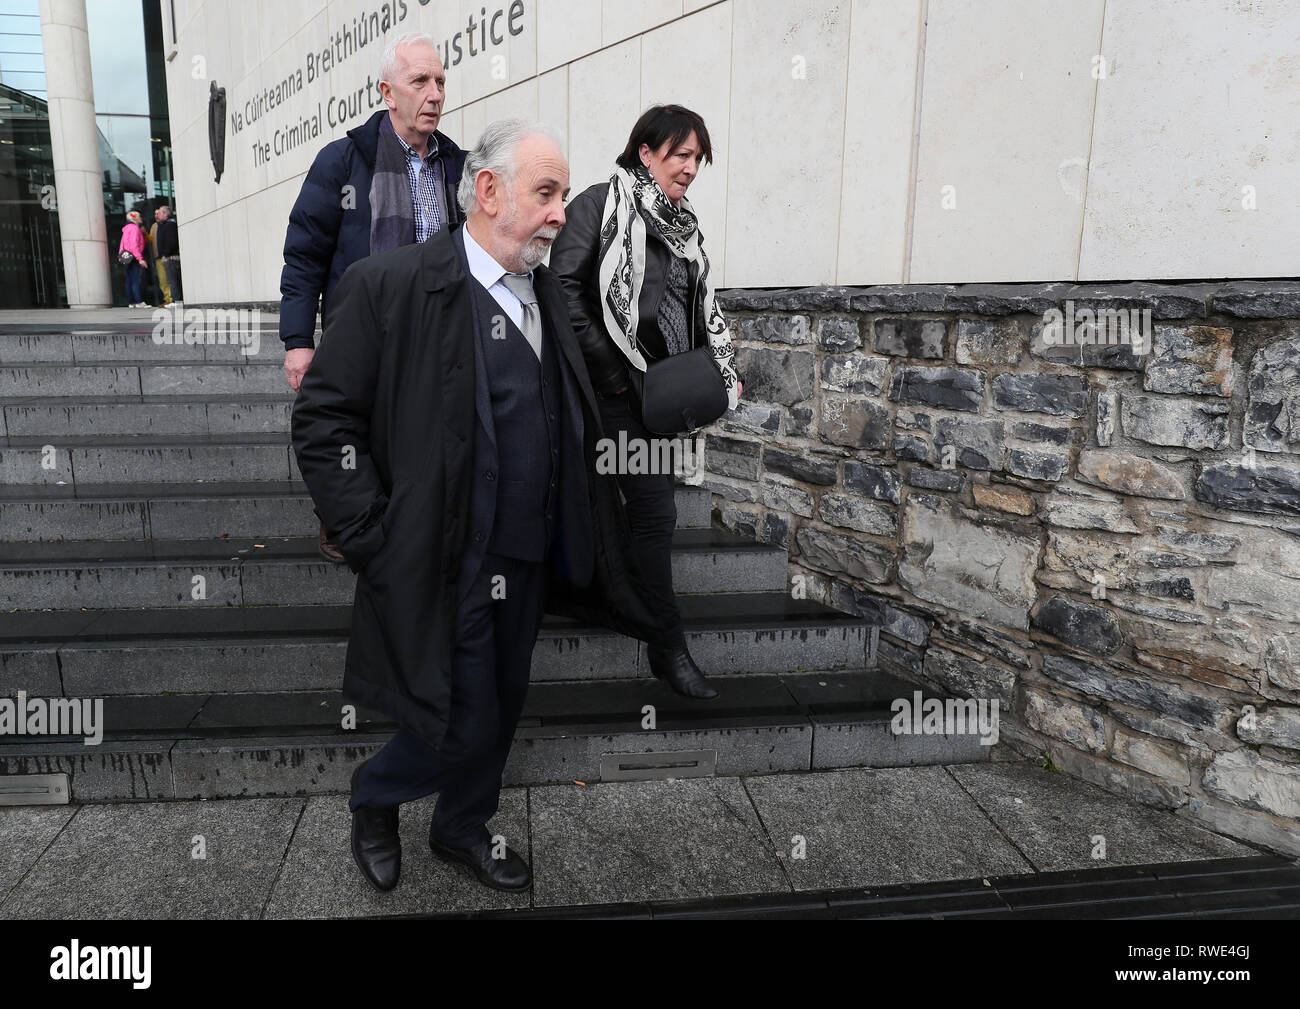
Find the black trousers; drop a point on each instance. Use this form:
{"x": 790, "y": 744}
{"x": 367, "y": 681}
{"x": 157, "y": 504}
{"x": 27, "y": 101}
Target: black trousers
{"x": 652, "y": 514}
{"x": 492, "y": 659}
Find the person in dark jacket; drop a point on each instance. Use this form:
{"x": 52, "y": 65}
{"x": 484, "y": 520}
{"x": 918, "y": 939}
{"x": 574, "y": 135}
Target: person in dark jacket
{"x": 169, "y": 252}
{"x": 450, "y": 374}
{"x": 389, "y": 182}
{"x": 632, "y": 263}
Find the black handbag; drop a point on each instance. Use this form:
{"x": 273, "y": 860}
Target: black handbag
{"x": 682, "y": 392}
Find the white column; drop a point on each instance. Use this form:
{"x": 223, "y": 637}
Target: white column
{"x": 78, "y": 183}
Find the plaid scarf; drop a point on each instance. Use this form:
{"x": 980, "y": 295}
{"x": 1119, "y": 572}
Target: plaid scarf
{"x": 634, "y": 203}
{"x": 392, "y": 214}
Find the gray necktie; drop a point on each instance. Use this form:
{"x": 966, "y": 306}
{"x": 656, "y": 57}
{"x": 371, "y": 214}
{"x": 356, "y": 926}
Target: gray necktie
{"x": 521, "y": 287}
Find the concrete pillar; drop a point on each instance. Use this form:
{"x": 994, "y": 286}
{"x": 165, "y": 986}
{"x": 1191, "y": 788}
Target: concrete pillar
{"x": 78, "y": 183}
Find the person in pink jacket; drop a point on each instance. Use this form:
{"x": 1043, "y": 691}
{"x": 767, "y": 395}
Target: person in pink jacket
{"x": 133, "y": 245}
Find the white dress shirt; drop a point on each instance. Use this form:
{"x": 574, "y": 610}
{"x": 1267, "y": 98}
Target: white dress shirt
{"x": 488, "y": 272}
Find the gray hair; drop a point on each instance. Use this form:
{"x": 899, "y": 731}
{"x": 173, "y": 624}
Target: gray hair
{"x": 388, "y": 62}
{"x": 495, "y": 151}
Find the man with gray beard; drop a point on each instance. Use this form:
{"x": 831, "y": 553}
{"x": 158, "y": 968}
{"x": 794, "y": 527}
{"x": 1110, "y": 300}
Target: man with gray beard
{"x": 452, "y": 382}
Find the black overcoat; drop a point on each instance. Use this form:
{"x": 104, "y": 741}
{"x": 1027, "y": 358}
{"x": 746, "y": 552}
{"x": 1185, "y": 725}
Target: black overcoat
{"x": 383, "y": 429}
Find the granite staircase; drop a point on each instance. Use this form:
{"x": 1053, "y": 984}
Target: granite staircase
{"x": 157, "y": 550}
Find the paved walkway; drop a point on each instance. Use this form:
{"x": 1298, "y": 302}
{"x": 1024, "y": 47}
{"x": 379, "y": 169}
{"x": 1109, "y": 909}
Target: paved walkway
{"x": 599, "y": 844}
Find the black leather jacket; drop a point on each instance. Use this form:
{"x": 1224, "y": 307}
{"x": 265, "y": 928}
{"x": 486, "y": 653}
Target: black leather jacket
{"x": 573, "y": 260}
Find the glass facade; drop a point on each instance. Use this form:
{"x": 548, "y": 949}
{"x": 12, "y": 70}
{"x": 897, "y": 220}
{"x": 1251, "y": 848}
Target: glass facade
{"x": 31, "y": 259}
{"x": 134, "y": 137}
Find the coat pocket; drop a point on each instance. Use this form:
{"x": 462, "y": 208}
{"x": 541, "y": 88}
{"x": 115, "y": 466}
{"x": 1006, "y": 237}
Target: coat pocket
{"x": 409, "y": 525}
{"x": 375, "y": 566}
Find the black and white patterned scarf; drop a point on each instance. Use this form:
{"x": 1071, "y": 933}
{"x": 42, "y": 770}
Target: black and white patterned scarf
{"x": 622, "y": 264}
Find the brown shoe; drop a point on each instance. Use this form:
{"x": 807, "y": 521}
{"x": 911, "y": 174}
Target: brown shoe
{"x": 328, "y": 550}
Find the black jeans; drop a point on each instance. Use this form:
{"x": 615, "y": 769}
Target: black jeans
{"x": 172, "y": 270}
{"x": 652, "y": 514}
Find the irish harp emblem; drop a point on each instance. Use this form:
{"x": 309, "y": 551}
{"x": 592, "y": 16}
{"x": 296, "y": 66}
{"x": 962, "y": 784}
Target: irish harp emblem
{"x": 217, "y": 128}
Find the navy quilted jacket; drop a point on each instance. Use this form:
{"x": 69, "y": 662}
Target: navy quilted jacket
{"x": 329, "y": 226}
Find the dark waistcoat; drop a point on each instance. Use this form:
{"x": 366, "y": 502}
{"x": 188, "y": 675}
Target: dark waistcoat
{"x": 525, "y": 397}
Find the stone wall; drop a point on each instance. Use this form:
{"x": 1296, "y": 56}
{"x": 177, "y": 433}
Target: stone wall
{"x": 1104, "y": 537}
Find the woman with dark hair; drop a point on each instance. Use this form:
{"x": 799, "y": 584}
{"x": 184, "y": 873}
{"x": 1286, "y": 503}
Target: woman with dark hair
{"x": 632, "y": 262}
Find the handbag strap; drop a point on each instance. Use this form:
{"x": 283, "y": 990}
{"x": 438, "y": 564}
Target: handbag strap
{"x": 636, "y": 342}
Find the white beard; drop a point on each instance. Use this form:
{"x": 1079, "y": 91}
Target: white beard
{"x": 531, "y": 253}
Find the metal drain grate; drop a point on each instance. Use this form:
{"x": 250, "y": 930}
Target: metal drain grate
{"x": 34, "y": 790}
{"x": 658, "y": 765}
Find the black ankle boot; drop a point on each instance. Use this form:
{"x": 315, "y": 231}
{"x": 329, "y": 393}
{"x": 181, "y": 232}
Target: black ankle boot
{"x": 676, "y": 668}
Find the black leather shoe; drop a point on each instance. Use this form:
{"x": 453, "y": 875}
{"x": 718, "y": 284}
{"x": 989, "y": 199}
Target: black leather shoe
{"x": 679, "y": 671}
{"x": 509, "y": 873}
{"x": 376, "y": 847}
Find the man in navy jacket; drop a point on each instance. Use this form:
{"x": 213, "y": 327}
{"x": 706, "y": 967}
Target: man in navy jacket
{"x": 330, "y": 225}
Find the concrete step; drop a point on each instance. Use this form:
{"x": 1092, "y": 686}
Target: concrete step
{"x": 116, "y": 459}
{"x": 147, "y": 378}
{"x": 216, "y": 457}
{"x": 97, "y": 512}
{"x": 694, "y": 507}
{"x": 99, "y": 653}
{"x": 290, "y": 571}
{"x": 176, "y": 511}
{"x": 230, "y": 745}
{"x": 56, "y": 418}
{"x": 137, "y": 342}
